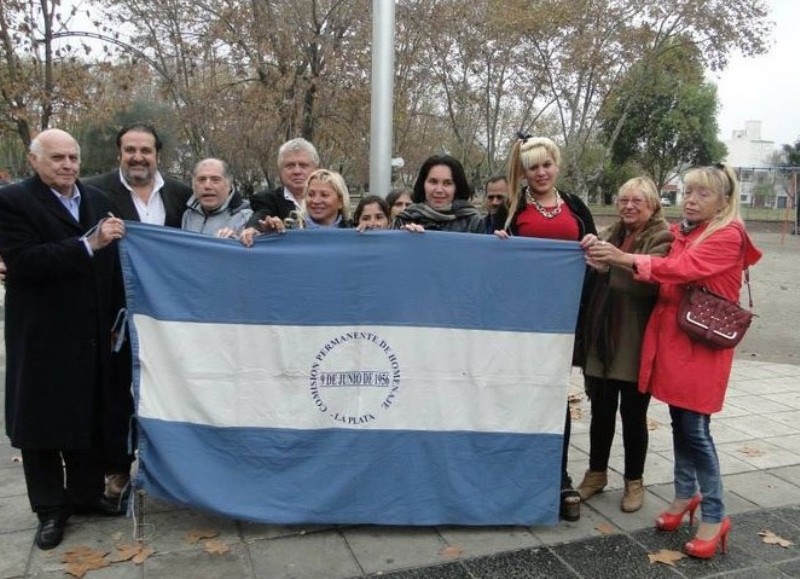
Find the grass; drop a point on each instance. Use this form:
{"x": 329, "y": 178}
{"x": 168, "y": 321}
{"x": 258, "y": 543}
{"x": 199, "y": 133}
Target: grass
{"x": 748, "y": 213}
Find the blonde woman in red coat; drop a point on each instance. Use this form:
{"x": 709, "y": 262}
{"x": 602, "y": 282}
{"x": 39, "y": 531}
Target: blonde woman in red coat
{"x": 712, "y": 249}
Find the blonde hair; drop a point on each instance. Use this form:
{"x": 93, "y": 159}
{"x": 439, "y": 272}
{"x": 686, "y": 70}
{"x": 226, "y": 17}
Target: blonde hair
{"x": 336, "y": 181}
{"x": 720, "y": 180}
{"x": 526, "y": 152}
{"x": 649, "y": 190}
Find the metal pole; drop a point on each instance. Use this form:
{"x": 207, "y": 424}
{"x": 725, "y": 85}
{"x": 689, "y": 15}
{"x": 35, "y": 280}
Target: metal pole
{"x": 796, "y": 204}
{"x": 380, "y": 145}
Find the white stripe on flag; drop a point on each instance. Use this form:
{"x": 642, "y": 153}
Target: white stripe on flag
{"x": 381, "y": 378}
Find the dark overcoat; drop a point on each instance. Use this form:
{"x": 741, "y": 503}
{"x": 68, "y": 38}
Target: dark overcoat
{"x": 269, "y": 203}
{"x": 60, "y": 303}
{"x": 174, "y": 194}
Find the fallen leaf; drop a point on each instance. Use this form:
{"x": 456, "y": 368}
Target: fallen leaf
{"x": 606, "y": 529}
{"x": 665, "y": 556}
{"x": 196, "y": 535}
{"x": 770, "y": 538}
{"x": 82, "y": 553}
{"x": 126, "y": 552}
{"x": 216, "y": 547}
{"x": 751, "y": 452}
{"x": 82, "y": 559}
{"x": 451, "y": 552}
{"x": 652, "y": 424}
{"x": 142, "y": 555}
{"x": 79, "y": 551}
{"x": 81, "y": 569}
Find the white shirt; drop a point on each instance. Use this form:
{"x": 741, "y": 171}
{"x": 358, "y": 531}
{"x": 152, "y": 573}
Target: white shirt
{"x": 153, "y": 211}
{"x": 288, "y": 196}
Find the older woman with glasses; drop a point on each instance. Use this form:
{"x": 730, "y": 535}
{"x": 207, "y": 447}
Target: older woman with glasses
{"x": 616, "y": 316}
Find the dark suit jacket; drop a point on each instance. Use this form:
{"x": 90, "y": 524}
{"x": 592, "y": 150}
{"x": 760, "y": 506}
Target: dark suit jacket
{"x": 60, "y": 303}
{"x": 174, "y": 194}
{"x": 269, "y": 204}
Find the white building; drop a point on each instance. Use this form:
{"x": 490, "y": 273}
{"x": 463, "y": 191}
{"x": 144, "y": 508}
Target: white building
{"x": 746, "y": 148}
{"x": 761, "y": 184}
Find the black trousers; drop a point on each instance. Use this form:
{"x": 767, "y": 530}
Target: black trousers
{"x": 55, "y": 488}
{"x": 606, "y": 396}
{"x": 566, "y": 480}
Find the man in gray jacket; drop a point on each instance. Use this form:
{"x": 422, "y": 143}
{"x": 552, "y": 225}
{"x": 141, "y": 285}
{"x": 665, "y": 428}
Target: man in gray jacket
{"x": 216, "y": 208}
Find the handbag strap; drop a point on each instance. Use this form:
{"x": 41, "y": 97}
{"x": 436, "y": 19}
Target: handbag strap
{"x": 746, "y": 270}
{"x": 747, "y": 281}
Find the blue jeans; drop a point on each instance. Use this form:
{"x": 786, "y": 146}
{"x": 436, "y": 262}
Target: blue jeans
{"x": 696, "y": 462}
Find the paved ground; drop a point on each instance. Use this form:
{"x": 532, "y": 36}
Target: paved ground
{"x": 758, "y": 437}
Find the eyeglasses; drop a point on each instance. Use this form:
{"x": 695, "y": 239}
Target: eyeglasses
{"x": 636, "y": 201}
{"x": 495, "y": 197}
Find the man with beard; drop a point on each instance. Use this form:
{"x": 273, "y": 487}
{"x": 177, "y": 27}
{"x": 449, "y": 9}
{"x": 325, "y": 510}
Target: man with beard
{"x": 137, "y": 189}
{"x": 137, "y": 192}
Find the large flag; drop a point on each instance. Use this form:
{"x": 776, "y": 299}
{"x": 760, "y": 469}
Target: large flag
{"x": 332, "y": 376}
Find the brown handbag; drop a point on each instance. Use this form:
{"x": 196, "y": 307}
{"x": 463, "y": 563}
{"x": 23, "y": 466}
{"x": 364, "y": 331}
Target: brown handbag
{"x": 713, "y": 320}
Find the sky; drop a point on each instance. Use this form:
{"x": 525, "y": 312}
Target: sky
{"x": 765, "y": 88}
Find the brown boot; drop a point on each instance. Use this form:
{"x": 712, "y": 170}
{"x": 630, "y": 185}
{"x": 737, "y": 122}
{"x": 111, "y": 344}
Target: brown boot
{"x": 117, "y": 485}
{"x": 593, "y": 482}
{"x": 633, "y": 497}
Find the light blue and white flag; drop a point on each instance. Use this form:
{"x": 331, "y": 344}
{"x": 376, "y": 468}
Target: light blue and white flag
{"x": 332, "y": 376}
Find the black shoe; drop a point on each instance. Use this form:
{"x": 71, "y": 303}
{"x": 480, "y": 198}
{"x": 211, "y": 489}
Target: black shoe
{"x": 50, "y": 533}
{"x": 570, "y": 507}
{"x": 104, "y": 507}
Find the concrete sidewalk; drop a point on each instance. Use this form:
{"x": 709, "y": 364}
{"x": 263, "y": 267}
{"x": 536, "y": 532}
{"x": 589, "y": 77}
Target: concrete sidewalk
{"x": 757, "y": 435}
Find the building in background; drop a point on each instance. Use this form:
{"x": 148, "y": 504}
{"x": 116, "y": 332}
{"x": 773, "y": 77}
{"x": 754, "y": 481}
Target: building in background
{"x": 763, "y": 184}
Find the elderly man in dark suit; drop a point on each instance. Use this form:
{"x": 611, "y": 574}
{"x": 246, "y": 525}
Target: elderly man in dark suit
{"x": 297, "y": 159}
{"x": 137, "y": 189}
{"x": 138, "y": 192}
{"x": 61, "y": 281}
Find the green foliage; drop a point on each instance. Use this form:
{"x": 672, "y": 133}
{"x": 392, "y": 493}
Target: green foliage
{"x": 791, "y": 155}
{"x": 664, "y": 116}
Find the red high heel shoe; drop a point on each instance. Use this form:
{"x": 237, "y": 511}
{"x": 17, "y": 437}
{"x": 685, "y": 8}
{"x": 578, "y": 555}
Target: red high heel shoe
{"x": 707, "y": 548}
{"x": 671, "y": 521}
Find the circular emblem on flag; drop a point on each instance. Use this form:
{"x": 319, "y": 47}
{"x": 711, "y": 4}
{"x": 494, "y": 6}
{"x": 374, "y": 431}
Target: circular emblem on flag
{"x": 355, "y": 377}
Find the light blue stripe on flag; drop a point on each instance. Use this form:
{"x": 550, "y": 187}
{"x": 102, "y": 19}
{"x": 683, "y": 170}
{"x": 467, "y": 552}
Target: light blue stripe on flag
{"x": 386, "y": 377}
{"x": 341, "y": 277}
{"x": 350, "y": 477}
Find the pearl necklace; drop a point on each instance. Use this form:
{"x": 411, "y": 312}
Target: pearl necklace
{"x": 546, "y": 213}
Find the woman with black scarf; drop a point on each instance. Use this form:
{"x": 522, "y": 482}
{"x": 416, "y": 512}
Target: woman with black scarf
{"x": 441, "y": 200}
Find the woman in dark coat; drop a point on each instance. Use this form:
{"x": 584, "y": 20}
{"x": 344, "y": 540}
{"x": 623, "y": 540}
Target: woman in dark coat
{"x": 441, "y": 199}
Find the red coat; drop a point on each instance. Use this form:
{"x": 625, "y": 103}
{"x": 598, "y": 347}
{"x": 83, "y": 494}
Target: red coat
{"x": 674, "y": 369}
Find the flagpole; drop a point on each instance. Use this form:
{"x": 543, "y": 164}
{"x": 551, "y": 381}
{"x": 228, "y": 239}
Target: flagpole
{"x": 381, "y": 140}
